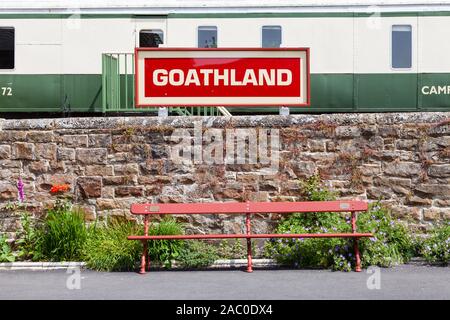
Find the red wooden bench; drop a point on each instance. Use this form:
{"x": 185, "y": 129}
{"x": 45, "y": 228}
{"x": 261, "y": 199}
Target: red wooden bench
{"x": 248, "y": 208}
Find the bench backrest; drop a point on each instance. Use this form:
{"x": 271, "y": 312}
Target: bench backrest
{"x": 248, "y": 207}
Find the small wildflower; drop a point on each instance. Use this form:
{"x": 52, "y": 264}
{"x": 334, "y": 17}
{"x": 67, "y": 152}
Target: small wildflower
{"x": 20, "y": 188}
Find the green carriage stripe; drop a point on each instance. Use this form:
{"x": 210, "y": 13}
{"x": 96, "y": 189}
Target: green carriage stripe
{"x": 329, "y": 93}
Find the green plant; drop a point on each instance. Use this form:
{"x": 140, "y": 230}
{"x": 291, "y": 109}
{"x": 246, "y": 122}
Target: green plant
{"x": 390, "y": 245}
{"x": 27, "y": 238}
{"x": 165, "y": 251}
{"x": 6, "y": 254}
{"x": 437, "y": 247}
{"x": 63, "y": 234}
{"x": 312, "y": 189}
{"x": 107, "y": 247}
{"x": 197, "y": 254}
{"x": 231, "y": 249}
{"x": 235, "y": 249}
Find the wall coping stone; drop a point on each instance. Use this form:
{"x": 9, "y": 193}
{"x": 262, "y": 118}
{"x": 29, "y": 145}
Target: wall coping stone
{"x": 341, "y": 119}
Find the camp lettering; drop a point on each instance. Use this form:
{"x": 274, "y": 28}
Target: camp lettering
{"x": 427, "y": 90}
{"x": 225, "y": 77}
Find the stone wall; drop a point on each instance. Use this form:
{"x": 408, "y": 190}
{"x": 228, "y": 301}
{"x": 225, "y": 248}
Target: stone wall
{"x": 109, "y": 163}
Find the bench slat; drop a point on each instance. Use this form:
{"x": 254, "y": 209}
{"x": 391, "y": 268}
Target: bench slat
{"x": 248, "y": 207}
{"x": 251, "y": 236}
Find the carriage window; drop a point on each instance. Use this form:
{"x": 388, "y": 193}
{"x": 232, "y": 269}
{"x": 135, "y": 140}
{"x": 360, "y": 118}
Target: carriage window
{"x": 6, "y": 48}
{"x": 151, "y": 38}
{"x": 401, "y": 46}
{"x": 207, "y": 37}
{"x": 271, "y": 36}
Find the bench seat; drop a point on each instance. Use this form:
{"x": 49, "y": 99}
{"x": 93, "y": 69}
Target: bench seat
{"x": 251, "y": 236}
{"x": 248, "y": 209}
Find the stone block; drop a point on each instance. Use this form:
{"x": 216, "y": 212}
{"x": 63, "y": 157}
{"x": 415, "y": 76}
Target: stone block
{"x": 65, "y": 154}
{"x": 23, "y": 151}
{"x": 8, "y": 191}
{"x": 13, "y": 136}
{"x": 418, "y": 201}
{"x": 40, "y": 166}
{"x": 435, "y": 214}
{"x": 91, "y": 155}
{"x": 99, "y": 170}
{"x": 99, "y": 140}
{"x": 125, "y": 191}
{"x": 407, "y": 212}
{"x": 106, "y": 204}
{"x": 316, "y": 145}
{"x": 402, "y": 169}
{"x": 126, "y": 169}
{"x": 5, "y": 152}
{"x": 75, "y": 141}
{"x": 90, "y": 187}
{"x": 348, "y": 132}
{"x": 439, "y": 170}
{"x": 46, "y": 151}
{"x": 442, "y": 190}
{"x": 40, "y": 136}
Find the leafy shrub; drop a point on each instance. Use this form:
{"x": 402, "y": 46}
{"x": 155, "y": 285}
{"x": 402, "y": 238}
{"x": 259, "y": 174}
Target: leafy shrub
{"x": 27, "y": 238}
{"x": 197, "y": 254}
{"x": 165, "y": 251}
{"x": 231, "y": 249}
{"x": 391, "y": 243}
{"x": 62, "y": 236}
{"x": 6, "y": 253}
{"x": 107, "y": 247}
{"x": 437, "y": 247}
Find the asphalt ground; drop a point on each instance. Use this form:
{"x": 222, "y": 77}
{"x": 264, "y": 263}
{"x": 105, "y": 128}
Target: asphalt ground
{"x": 402, "y": 282}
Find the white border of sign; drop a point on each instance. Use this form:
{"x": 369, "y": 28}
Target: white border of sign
{"x": 143, "y": 53}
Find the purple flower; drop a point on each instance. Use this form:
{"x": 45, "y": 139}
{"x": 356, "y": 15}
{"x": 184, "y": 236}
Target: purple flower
{"x": 20, "y": 187}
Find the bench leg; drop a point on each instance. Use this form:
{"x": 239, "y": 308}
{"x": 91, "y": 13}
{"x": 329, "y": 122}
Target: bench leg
{"x": 143, "y": 257}
{"x": 357, "y": 256}
{"x": 249, "y": 256}
{"x": 249, "y": 243}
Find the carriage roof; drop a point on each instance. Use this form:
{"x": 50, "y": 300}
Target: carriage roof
{"x": 173, "y": 6}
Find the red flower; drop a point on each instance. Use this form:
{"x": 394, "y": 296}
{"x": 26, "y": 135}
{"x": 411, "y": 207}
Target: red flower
{"x": 59, "y": 188}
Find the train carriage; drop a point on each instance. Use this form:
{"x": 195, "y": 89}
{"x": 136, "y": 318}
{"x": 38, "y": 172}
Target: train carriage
{"x": 366, "y": 56}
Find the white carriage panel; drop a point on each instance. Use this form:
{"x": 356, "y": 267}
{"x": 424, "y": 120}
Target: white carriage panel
{"x": 35, "y": 31}
{"x": 37, "y": 59}
{"x": 84, "y": 44}
{"x": 373, "y": 44}
{"x": 434, "y": 44}
{"x": 330, "y": 39}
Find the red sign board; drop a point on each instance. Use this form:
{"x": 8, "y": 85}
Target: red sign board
{"x": 222, "y": 77}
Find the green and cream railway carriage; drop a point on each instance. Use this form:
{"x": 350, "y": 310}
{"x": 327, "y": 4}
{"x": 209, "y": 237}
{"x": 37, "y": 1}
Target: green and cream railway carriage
{"x": 365, "y": 55}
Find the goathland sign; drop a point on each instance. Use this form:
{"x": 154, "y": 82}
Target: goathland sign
{"x": 222, "y": 77}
